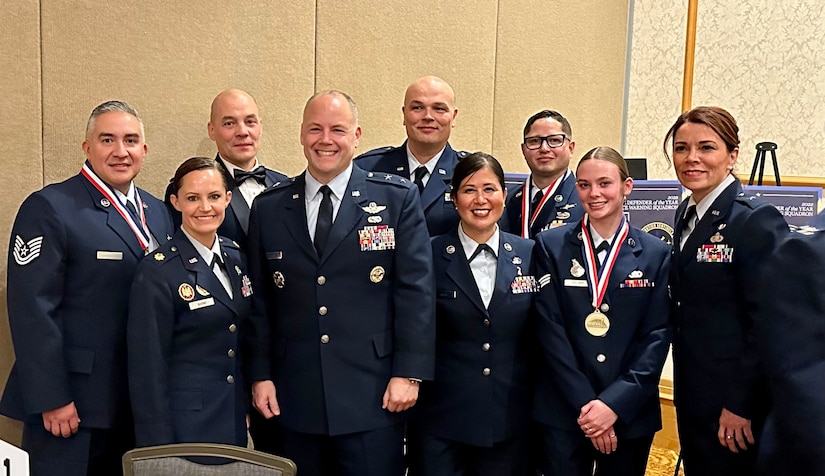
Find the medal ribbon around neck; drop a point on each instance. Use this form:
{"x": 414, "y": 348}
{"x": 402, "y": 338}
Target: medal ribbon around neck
{"x": 597, "y": 280}
{"x": 527, "y": 220}
{"x": 141, "y": 232}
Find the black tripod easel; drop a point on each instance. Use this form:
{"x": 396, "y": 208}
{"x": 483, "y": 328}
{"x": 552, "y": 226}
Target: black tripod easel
{"x": 761, "y": 149}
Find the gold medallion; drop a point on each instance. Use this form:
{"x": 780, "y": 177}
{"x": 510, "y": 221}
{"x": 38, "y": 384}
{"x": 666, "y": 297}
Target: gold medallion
{"x": 377, "y": 274}
{"x": 597, "y": 324}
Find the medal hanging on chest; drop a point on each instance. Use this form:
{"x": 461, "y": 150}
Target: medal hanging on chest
{"x": 597, "y": 323}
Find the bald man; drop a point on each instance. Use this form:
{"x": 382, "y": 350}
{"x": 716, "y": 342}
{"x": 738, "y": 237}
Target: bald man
{"x": 235, "y": 126}
{"x": 426, "y": 157}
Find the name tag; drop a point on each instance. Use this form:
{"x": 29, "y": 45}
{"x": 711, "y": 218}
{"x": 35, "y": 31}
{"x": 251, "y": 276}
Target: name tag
{"x": 110, "y": 255}
{"x": 274, "y": 255}
{"x": 575, "y": 283}
{"x": 201, "y": 303}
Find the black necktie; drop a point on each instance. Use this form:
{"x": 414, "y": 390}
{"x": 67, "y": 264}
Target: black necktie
{"x": 324, "y": 222}
{"x": 536, "y": 201}
{"x": 258, "y": 173}
{"x": 479, "y": 249}
{"x": 688, "y": 221}
{"x": 420, "y": 173}
{"x": 132, "y": 210}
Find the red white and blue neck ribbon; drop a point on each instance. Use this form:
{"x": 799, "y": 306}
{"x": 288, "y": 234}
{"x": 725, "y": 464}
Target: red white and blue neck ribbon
{"x": 597, "y": 278}
{"x": 528, "y": 219}
{"x": 140, "y": 230}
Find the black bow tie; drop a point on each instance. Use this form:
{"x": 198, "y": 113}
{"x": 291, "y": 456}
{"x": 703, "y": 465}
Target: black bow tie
{"x": 258, "y": 173}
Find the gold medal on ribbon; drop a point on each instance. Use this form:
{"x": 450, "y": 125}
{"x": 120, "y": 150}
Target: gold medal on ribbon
{"x": 597, "y": 324}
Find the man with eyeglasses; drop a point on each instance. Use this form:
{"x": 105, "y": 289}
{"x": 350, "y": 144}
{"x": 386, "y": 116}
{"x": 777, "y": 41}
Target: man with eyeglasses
{"x": 548, "y": 196}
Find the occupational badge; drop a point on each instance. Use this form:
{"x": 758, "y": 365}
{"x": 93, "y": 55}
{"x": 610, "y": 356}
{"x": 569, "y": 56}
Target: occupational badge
{"x": 201, "y": 291}
{"x": 576, "y": 269}
{"x": 374, "y": 208}
{"x": 717, "y": 238}
{"x": 186, "y": 292}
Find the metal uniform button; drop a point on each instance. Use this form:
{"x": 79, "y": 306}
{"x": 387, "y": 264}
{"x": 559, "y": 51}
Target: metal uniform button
{"x": 601, "y": 358}
{"x": 605, "y": 307}
{"x": 485, "y": 346}
{"x": 486, "y": 322}
{"x": 230, "y": 379}
{"x": 233, "y": 328}
{"x": 322, "y": 310}
{"x": 321, "y": 280}
{"x": 485, "y": 372}
{"x": 231, "y": 353}
{"x": 324, "y": 339}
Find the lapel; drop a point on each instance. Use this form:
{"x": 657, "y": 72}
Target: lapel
{"x": 113, "y": 219}
{"x": 709, "y": 223}
{"x": 156, "y": 220}
{"x": 295, "y": 217}
{"x": 237, "y": 204}
{"x": 204, "y": 277}
{"x": 458, "y": 270}
{"x": 350, "y": 212}
{"x": 506, "y": 273}
{"x": 439, "y": 183}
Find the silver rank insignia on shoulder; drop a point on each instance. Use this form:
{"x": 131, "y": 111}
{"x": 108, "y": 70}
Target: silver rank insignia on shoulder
{"x": 104, "y": 202}
{"x": 388, "y": 177}
{"x": 558, "y": 198}
{"x": 450, "y": 249}
{"x": 635, "y": 274}
{"x": 201, "y": 291}
{"x": 576, "y": 269}
{"x": 26, "y": 251}
{"x": 356, "y": 193}
{"x": 193, "y": 260}
{"x": 159, "y": 257}
{"x": 717, "y": 238}
{"x": 402, "y": 180}
{"x": 508, "y": 247}
{"x": 374, "y": 208}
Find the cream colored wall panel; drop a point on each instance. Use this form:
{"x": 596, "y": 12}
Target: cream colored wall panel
{"x": 374, "y": 50}
{"x": 20, "y": 136}
{"x": 169, "y": 59}
{"x": 568, "y": 56}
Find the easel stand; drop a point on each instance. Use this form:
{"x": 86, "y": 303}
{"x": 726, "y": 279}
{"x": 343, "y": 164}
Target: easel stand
{"x": 761, "y": 149}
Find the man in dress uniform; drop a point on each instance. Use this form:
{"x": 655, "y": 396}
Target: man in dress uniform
{"x": 235, "y": 126}
{"x": 344, "y": 323}
{"x": 426, "y": 157}
{"x": 74, "y": 248}
{"x": 548, "y": 197}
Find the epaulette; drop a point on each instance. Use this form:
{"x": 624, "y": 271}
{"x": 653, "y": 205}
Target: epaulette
{"x": 163, "y": 255}
{"x": 378, "y": 151}
{"x": 461, "y": 154}
{"x": 229, "y": 243}
{"x": 751, "y": 201}
{"x": 381, "y": 177}
{"x": 279, "y": 185}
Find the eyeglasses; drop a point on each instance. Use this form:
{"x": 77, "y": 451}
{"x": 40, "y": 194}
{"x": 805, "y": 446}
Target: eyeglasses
{"x": 556, "y": 140}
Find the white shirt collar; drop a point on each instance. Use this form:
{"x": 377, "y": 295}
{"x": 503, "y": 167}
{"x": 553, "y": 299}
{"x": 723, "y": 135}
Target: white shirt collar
{"x": 413, "y": 163}
{"x": 704, "y": 206}
{"x": 470, "y": 245}
{"x": 338, "y": 185}
{"x": 130, "y": 195}
{"x": 206, "y": 253}
{"x": 232, "y": 167}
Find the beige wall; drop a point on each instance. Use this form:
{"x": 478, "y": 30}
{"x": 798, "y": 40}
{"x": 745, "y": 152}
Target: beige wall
{"x": 505, "y": 58}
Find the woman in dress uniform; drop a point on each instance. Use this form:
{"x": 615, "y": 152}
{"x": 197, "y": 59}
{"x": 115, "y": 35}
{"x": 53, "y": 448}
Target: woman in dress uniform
{"x": 722, "y": 240}
{"x": 603, "y": 329}
{"x": 188, "y": 303}
{"x": 473, "y": 418}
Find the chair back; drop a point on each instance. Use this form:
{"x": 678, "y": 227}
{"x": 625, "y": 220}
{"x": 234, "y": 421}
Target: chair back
{"x": 204, "y": 459}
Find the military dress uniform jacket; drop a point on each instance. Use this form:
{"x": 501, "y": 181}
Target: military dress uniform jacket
{"x": 184, "y": 349}
{"x": 482, "y": 390}
{"x": 790, "y": 323}
{"x": 72, "y": 258}
{"x": 332, "y": 330}
{"x": 439, "y": 210}
{"x": 563, "y": 207}
{"x": 621, "y": 368}
{"x": 713, "y": 286}
{"x": 236, "y": 222}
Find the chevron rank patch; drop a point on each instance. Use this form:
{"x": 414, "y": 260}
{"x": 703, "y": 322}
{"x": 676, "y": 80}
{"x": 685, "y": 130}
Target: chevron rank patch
{"x": 26, "y": 251}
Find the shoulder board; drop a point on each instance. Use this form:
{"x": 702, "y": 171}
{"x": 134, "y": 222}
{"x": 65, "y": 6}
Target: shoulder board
{"x": 751, "y": 201}
{"x": 163, "y": 255}
{"x": 279, "y": 185}
{"x": 229, "y": 243}
{"x": 378, "y": 151}
{"x": 461, "y": 154}
{"x": 381, "y": 177}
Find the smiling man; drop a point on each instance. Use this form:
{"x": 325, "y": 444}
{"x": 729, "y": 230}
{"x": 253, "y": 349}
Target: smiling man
{"x": 426, "y": 157}
{"x": 75, "y": 246}
{"x": 548, "y": 197}
{"x": 344, "y": 322}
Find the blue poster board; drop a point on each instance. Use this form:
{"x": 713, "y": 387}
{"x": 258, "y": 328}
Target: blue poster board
{"x": 796, "y": 204}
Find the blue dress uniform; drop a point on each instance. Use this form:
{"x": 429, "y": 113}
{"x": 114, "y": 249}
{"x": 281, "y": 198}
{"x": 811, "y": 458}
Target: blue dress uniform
{"x": 621, "y": 368}
{"x": 72, "y": 258}
{"x": 435, "y": 199}
{"x": 790, "y": 322}
{"x": 332, "y": 330}
{"x": 236, "y": 222}
{"x": 184, "y": 348}
{"x": 563, "y": 207}
{"x": 716, "y": 363}
{"x": 818, "y": 221}
{"x": 482, "y": 392}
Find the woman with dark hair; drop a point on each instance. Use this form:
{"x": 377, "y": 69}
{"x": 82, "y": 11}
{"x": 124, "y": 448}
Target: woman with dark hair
{"x": 473, "y": 418}
{"x": 722, "y": 239}
{"x": 603, "y": 329}
{"x": 188, "y": 303}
